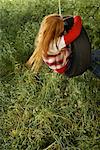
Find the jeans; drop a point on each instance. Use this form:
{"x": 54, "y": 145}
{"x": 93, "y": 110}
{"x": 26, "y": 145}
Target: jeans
{"x": 95, "y": 62}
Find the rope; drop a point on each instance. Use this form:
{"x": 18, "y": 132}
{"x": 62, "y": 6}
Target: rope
{"x": 59, "y": 7}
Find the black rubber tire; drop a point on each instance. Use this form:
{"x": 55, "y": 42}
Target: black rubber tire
{"x": 81, "y": 55}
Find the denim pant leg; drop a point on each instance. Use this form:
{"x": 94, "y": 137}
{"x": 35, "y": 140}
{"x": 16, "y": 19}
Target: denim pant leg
{"x": 95, "y": 62}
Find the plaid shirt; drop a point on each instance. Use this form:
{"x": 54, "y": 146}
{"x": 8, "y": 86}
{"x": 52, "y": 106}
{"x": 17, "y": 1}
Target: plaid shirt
{"x": 58, "y": 58}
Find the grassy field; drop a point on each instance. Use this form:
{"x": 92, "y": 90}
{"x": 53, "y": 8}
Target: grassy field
{"x": 46, "y": 111}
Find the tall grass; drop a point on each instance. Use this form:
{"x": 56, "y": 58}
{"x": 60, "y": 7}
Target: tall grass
{"x": 46, "y": 111}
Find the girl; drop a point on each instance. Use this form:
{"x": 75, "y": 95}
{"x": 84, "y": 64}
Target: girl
{"x": 53, "y": 45}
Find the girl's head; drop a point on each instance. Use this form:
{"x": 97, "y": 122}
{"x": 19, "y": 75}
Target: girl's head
{"x": 52, "y": 27}
{"x": 50, "y": 30}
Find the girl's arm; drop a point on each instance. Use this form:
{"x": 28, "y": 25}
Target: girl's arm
{"x": 74, "y": 32}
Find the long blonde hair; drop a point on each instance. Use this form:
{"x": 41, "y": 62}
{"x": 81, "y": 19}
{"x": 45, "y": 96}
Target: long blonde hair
{"x": 51, "y": 28}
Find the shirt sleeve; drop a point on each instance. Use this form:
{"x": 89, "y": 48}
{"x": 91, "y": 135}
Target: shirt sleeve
{"x": 74, "y": 32}
{"x": 61, "y": 43}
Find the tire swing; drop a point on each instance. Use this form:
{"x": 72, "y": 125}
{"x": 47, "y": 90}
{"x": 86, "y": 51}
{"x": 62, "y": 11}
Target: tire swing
{"x": 81, "y": 52}
{"x": 81, "y": 55}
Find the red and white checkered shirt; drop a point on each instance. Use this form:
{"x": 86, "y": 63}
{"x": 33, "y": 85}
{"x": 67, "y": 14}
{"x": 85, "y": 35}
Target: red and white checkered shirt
{"x": 58, "y": 54}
